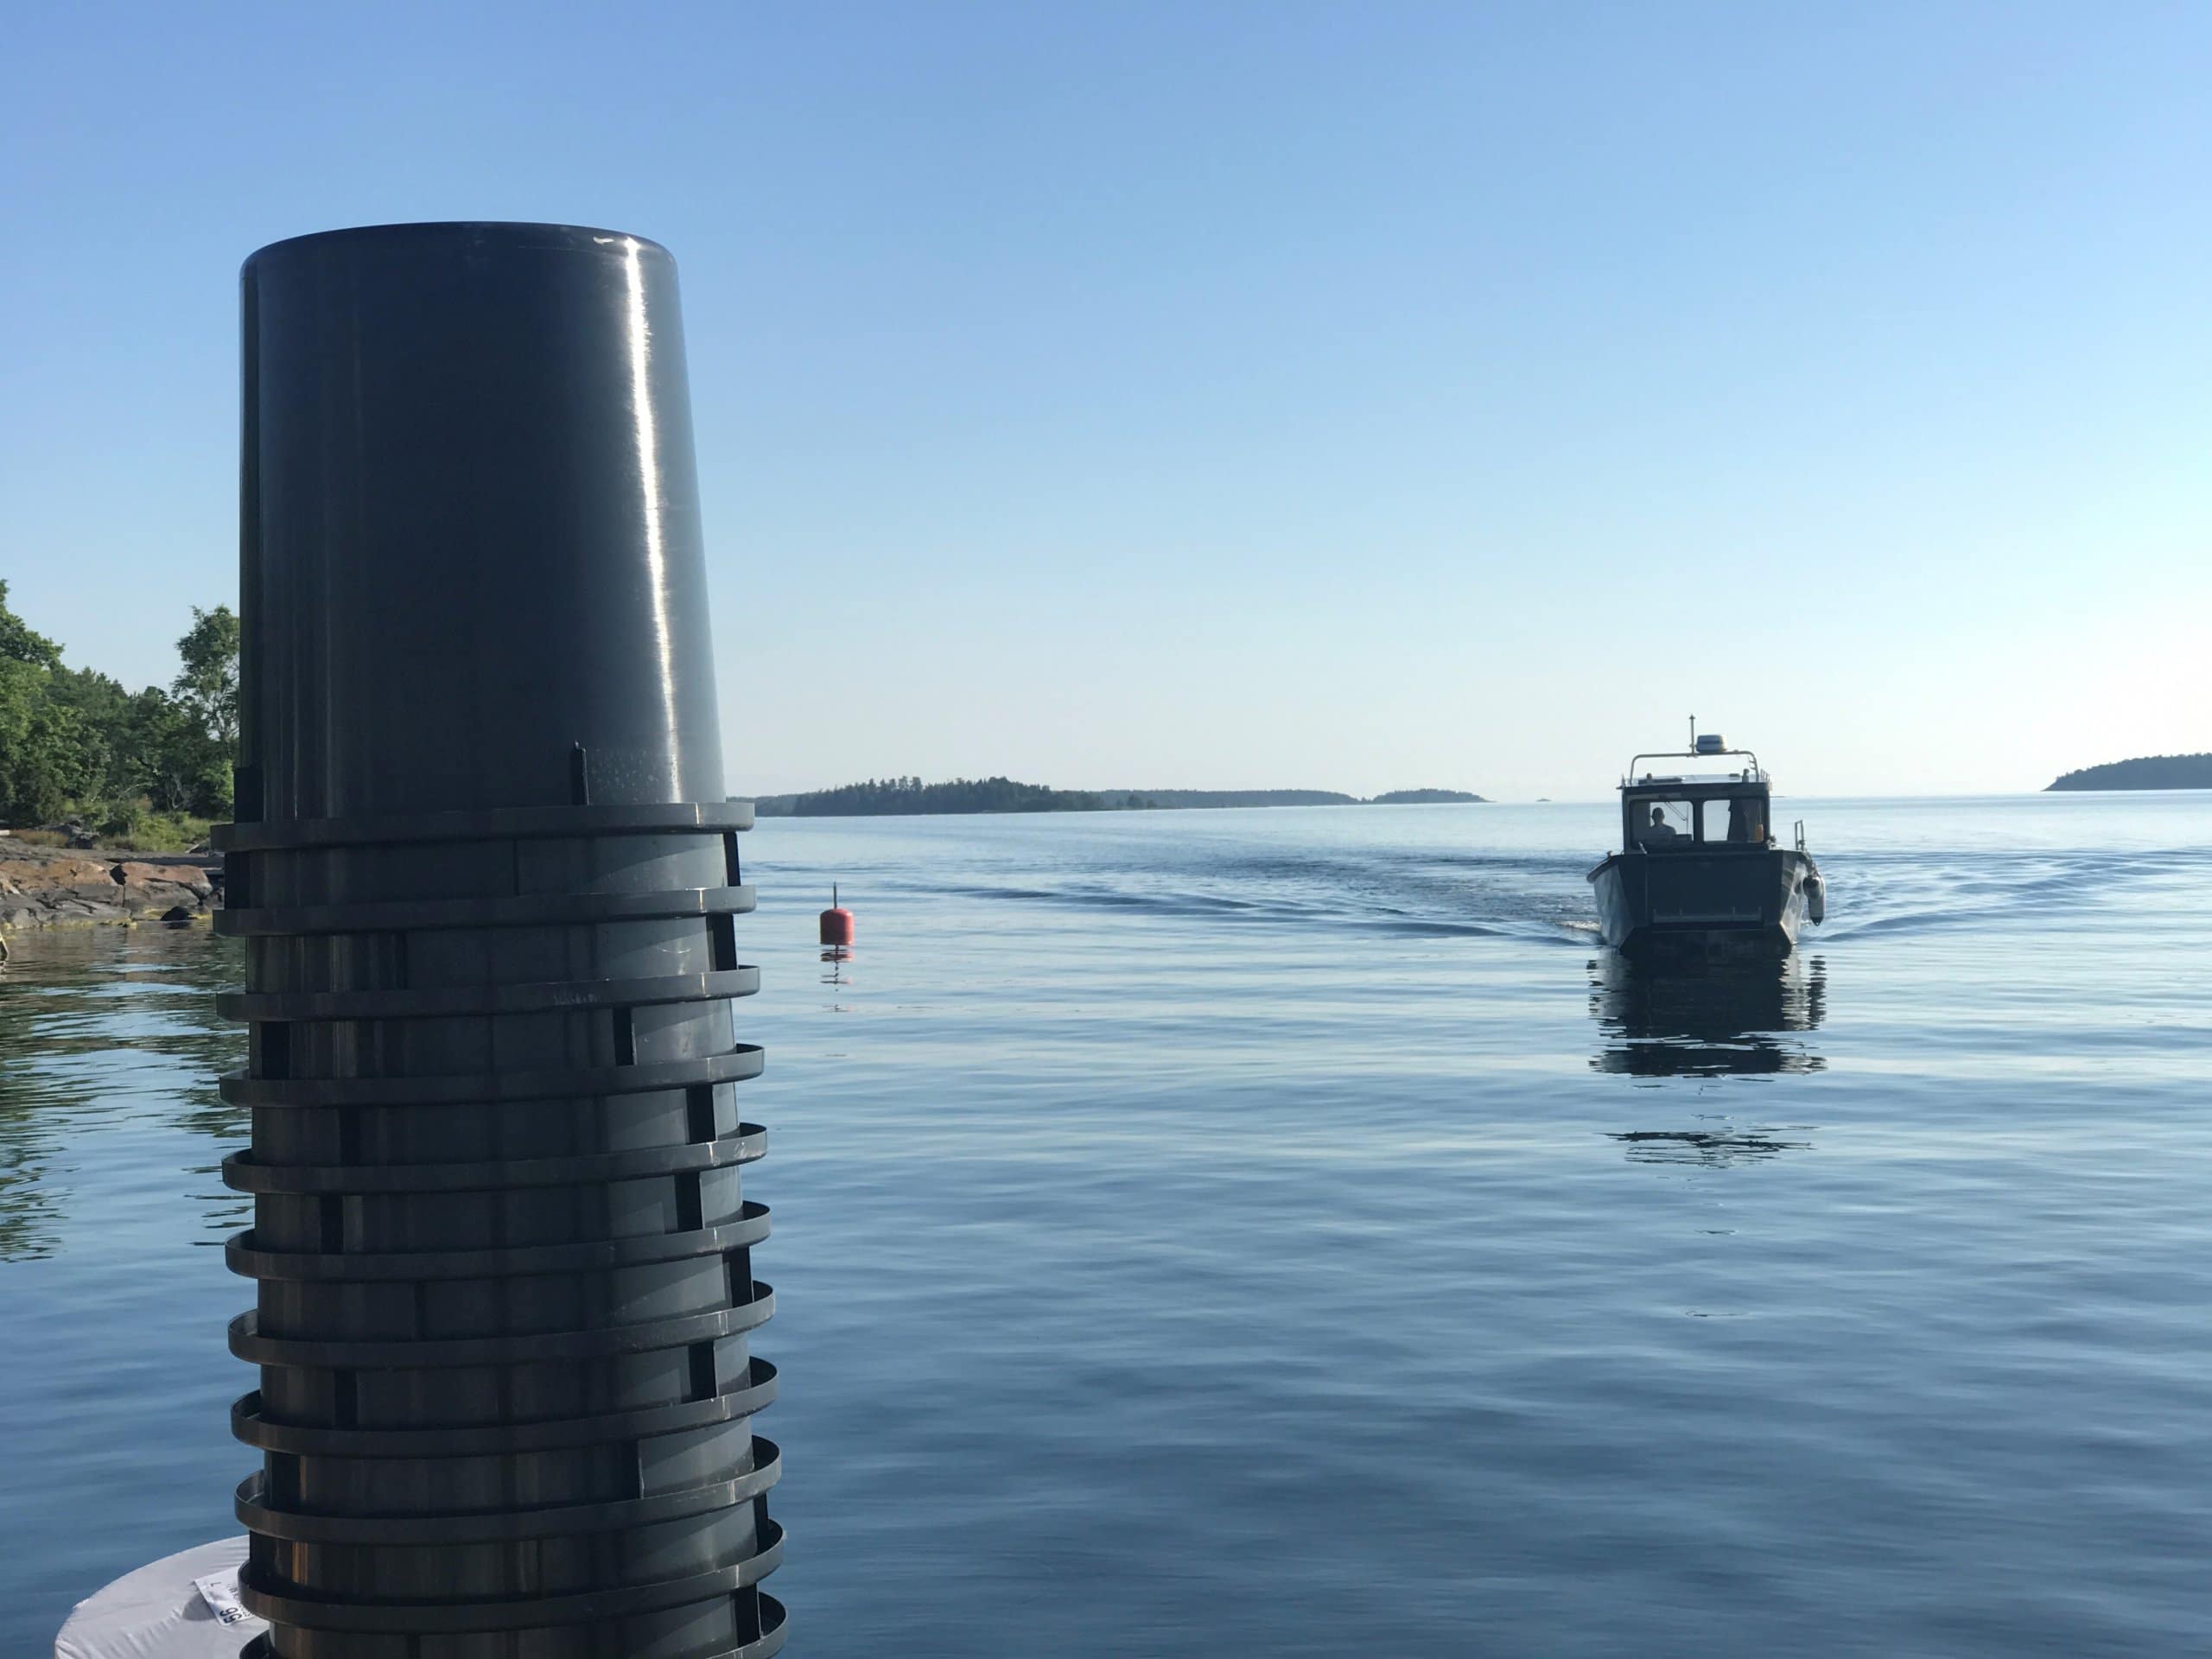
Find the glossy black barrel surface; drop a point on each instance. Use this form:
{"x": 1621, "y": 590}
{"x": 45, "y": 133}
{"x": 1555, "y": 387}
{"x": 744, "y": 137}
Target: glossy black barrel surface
{"x": 490, "y": 895}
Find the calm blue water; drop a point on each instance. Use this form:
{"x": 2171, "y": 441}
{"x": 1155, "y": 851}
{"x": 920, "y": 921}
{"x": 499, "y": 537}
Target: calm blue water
{"x": 1285, "y": 1232}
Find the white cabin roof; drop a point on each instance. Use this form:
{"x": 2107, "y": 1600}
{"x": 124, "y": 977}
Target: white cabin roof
{"x": 1694, "y": 780}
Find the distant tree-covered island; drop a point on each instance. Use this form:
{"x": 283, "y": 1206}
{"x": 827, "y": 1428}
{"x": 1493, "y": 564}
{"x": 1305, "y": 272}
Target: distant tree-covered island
{"x": 1144, "y": 800}
{"x": 2151, "y": 771}
{"x": 895, "y": 796}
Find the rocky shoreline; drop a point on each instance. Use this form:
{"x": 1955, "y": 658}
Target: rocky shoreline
{"x": 60, "y": 887}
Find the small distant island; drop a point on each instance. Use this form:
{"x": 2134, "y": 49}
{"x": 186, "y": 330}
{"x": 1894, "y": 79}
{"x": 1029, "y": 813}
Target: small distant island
{"x": 2151, "y": 771}
{"x": 895, "y": 796}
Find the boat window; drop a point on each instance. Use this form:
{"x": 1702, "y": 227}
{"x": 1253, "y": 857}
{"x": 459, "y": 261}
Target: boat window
{"x": 1742, "y": 820}
{"x": 1661, "y": 824}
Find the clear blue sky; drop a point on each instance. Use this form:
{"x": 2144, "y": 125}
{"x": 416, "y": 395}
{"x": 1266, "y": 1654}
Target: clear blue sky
{"x": 1353, "y": 395}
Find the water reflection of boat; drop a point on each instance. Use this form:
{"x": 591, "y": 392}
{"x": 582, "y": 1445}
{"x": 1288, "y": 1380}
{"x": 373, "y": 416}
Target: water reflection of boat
{"x": 1708, "y": 1148}
{"x": 1714, "y": 1020}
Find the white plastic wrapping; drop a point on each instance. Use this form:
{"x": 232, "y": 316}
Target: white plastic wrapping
{"x": 162, "y": 1611}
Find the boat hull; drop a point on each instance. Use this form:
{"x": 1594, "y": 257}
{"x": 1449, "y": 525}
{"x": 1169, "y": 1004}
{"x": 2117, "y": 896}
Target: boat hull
{"x": 1724, "y": 903}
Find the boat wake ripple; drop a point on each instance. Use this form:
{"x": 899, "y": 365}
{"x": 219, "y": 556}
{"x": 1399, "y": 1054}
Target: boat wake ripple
{"x": 1538, "y": 899}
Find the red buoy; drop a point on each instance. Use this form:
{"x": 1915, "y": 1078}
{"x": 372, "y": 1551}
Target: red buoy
{"x": 837, "y": 923}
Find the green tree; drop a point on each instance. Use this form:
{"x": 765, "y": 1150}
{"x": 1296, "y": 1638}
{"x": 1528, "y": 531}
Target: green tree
{"x": 186, "y": 743}
{"x": 19, "y": 644}
{"x": 74, "y": 739}
{"x": 208, "y": 686}
{"x": 169, "y": 758}
{"x": 52, "y": 758}
{"x": 103, "y": 706}
{"x": 26, "y": 736}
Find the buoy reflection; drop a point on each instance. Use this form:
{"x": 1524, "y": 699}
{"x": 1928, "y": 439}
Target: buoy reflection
{"x": 835, "y": 960}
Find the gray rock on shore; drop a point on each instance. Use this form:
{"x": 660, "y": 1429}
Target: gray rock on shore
{"x": 48, "y": 886}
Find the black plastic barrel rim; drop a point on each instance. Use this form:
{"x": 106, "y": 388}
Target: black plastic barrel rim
{"x": 437, "y": 1353}
{"x": 487, "y": 823}
{"x": 447, "y": 1001}
{"x": 734, "y": 1065}
{"x": 775, "y": 1625}
{"x": 505, "y": 1526}
{"x": 640, "y": 1423}
{"x": 243, "y": 1172}
{"x": 514, "y": 1613}
{"x": 512, "y": 1261}
{"x": 523, "y": 910}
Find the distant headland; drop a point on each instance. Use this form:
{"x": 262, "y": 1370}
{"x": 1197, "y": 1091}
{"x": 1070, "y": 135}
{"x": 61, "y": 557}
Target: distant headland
{"x": 895, "y": 796}
{"x": 2151, "y": 771}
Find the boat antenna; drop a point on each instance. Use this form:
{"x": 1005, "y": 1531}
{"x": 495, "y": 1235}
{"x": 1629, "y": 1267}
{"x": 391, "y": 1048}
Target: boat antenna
{"x": 1693, "y": 733}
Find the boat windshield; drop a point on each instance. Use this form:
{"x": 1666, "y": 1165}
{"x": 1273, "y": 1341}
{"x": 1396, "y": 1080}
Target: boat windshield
{"x": 1663, "y": 823}
{"x": 1740, "y": 820}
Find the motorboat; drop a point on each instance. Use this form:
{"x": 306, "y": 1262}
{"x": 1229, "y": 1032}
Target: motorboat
{"x": 1699, "y": 873}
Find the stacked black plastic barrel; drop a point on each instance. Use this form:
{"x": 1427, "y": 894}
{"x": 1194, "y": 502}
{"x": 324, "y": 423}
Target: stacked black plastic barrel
{"x": 488, "y": 887}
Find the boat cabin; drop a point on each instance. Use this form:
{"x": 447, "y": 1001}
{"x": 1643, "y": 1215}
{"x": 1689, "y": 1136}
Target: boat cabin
{"x": 1680, "y": 812}
{"x": 1700, "y": 875}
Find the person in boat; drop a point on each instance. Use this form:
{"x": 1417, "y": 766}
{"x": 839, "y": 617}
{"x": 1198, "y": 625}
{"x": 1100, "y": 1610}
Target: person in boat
{"x": 1659, "y": 829}
{"x": 1743, "y": 821}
